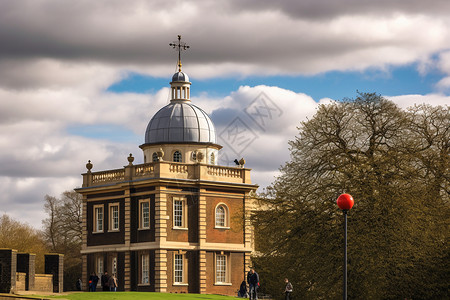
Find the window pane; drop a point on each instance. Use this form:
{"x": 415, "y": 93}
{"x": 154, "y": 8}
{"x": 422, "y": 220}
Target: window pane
{"x": 154, "y": 156}
{"x": 212, "y": 159}
{"x": 145, "y": 215}
{"x": 115, "y": 217}
{"x": 177, "y": 156}
{"x": 145, "y": 268}
{"x": 99, "y": 265}
{"x": 220, "y": 216}
{"x": 99, "y": 218}
{"x": 221, "y": 268}
{"x": 178, "y": 213}
{"x": 178, "y": 268}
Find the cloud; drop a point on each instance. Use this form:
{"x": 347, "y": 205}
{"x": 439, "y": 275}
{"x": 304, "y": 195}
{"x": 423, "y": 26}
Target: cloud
{"x": 73, "y": 41}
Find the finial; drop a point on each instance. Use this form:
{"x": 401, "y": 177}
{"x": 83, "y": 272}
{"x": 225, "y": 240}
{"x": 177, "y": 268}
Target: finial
{"x": 89, "y": 166}
{"x": 179, "y": 46}
{"x": 130, "y": 160}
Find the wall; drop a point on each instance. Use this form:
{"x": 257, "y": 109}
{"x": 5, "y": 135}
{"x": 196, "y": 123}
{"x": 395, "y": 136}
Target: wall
{"x": 235, "y": 234}
{"x": 43, "y": 283}
{"x": 20, "y": 281}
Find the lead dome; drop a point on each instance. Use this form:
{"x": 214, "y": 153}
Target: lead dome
{"x": 180, "y": 122}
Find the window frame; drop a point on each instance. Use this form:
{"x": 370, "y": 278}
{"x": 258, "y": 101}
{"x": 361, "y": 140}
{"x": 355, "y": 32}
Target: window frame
{"x": 180, "y": 156}
{"x": 183, "y": 225}
{"x": 154, "y": 154}
{"x": 99, "y": 264}
{"x": 111, "y": 216}
{"x": 227, "y": 268}
{"x": 141, "y": 217}
{"x": 95, "y": 218}
{"x": 184, "y": 266}
{"x": 226, "y": 224}
{"x": 143, "y": 255}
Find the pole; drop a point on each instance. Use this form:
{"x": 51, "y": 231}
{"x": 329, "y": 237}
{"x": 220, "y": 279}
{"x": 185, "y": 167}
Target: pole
{"x": 345, "y": 254}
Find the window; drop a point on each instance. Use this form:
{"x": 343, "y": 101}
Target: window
{"x": 155, "y": 156}
{"x": 222, "y": 216}
{"x": 178, "y": 212}
{"x": 114, "y": 265}
{"x": 221, "y": 268}
{"x": 212, "y": 159}
{"x": 98, "y": 218}
{"x": 178, "y": 268}
{"x": 99, "y": 265}
{"x": 114, "y": 217}
{"x": 144, "y": 214}
{"x": 145, "y": 269}
{"x": 177, "y": 156}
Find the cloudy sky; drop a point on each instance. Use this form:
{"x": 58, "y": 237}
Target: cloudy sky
{"x": 80, "y": 80}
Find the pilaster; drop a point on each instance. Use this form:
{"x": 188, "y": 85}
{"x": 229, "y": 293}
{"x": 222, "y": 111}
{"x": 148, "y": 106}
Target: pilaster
{"x": 202, "y": 240}
{"x": 161, "y": 216}
{"x": 127, "y": 233}
{"x": 84, "y": 272}
{"x": 202, "y": 271}
{"x": 161, "y": 270}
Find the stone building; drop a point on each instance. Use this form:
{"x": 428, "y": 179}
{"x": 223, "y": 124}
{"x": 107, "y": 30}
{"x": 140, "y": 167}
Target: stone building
{"x": 177, "y": 223}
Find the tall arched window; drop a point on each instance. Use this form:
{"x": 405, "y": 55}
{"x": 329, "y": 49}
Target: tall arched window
{"x": 177, "y": 156}
{"x": 212, "y": 159}
{"x": 154, "y": 156}
{"x": 222, "y": 216}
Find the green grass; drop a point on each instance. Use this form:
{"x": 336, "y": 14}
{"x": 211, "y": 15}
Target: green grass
{"x": 138, "y": 296}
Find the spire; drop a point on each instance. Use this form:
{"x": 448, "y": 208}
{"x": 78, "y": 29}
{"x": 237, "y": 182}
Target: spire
{"x": 180, "y": 46}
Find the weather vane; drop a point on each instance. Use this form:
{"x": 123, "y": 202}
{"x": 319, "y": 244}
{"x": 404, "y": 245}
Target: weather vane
{"x": 179, "y": 47}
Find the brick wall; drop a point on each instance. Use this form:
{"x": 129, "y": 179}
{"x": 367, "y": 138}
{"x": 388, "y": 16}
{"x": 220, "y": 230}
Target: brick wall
{"x": 43, "y": 283}
{"x": 8, "y": 265}
{"x": 20, "y": 281}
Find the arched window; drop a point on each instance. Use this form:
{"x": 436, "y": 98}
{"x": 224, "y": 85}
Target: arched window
{"x": 222, "y": 216}
{"x": 212, "y": 159}
{"x": 154, "y": 156}
{"x": 177, "y": 156}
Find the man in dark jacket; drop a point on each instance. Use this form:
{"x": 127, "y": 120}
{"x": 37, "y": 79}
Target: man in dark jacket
{"x": 104, "y": 279}
{"x": 253, "y": 282}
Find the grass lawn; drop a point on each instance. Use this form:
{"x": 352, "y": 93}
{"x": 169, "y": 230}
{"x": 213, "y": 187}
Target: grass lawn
{"x": 137, "y": 296}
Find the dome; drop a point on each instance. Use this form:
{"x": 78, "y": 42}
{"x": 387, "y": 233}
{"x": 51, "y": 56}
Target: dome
{"x": 180, "y": 122}
{"x": 180, "y": 77}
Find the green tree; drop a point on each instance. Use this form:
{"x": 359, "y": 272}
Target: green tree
{"x": 63, "y": 232}
{"x": 395, "y": 164}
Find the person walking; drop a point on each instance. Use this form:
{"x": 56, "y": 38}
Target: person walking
{"x": 104, "y": 281}
{"x": 79, "y": 285}
{"x": 253, "y": 284}
{"x": 288, "y": 290}
{"x": 112, "y": 282}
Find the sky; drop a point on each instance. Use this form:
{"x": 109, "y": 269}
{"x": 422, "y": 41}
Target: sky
{"x": 80, "y": 80}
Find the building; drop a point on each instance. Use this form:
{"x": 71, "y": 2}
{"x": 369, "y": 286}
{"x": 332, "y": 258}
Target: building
{"x": 177, "y": 223}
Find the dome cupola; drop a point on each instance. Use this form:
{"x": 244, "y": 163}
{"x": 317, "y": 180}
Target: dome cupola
{"x": 180, "y": 123}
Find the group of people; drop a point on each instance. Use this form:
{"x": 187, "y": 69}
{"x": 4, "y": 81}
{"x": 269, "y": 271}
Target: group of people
{"x": 109, "y": 283}
{"x": 253, "y": 285}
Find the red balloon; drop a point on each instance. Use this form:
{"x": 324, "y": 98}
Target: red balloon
{"x": 345, "y": 201}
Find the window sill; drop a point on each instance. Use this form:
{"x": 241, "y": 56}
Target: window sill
{"x": 97, "y": 232}
{"x": 221, "y": 227}
{"x": 144, "y": 284}
{"x": 179, "y": 228}
{"x": 180, "y": 284}
{"x": 144, "y": 228}
{"x": 114, "y": 230}
{"x": 223, "y": 283}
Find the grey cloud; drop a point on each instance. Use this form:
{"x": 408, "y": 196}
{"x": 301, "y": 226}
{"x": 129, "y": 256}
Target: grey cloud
{"x": 323, "y": 9}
